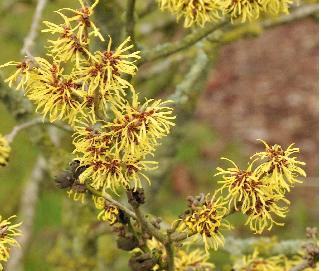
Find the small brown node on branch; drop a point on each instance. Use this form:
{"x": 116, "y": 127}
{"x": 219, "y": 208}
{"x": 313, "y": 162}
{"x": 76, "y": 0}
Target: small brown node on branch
{"x": 136, "y": 197}
{"x": 128, "y": 242}
{"x": 68, "y": 177}
{"x": 312, "y": 254}
{"x": 123, "y": 218}
{"x": 142, "y": 262}
{"x": 311, "y": 248}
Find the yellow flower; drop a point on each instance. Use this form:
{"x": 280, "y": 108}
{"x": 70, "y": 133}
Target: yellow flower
{"x": 74, "y": 34}
{"x": 208, "y": 220}
{"x": 108, "y": 211}
{"x": 243, "y": 187}
{"x": 82, "y": 20}
{"x": 106, "y": 69}
{"x": 245, "y": 10}
{"x": 263, "y": 215}
{"x": 138, "y": 127}
{"x": 67, "y": 46}
{"x": 20, "y": 76}
{"x": 77, "y": 192}
{"x": 8, "y": 232}
{"x": 196, "y": 12}
{"x": 256, "y": 263}
{"x": 55, "y": 94}
{"x": 280, "y": 168}
{"x": 196, "y": 260}
{"x": 4, "y": 151}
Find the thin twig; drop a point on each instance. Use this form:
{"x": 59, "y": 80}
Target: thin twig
{"x": 149, "y": 228}
{"x": 111, "y": 200}
{"x": 167, "y": 49}
{"x": 30, "y": 38}
{"x": 130, "y": 21}
{"x": 186, "y": 86}
{"x": 39, "y": 121}
{"x": 170, "y": 256}
{"x": 164, "y": 239}
{"x": 296, "y": 14}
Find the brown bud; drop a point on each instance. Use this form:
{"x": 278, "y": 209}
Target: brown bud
{"x": 123, "y": 217}
{"x": 136, "y": 197}
{"x": 127, "y": 243}
{"x": 78, "y": 187}
{"x": 64, "y": 180}
{"x": 312, "y": 254}
{"x": 142, "y": 262}
{"x": 67, "y": 178}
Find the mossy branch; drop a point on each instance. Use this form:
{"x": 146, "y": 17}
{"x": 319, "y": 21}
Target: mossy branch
{"x": 168, "y": 49}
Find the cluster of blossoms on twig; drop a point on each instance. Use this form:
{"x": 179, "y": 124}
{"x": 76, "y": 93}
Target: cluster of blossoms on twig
{"x": 115, "y": 135}
{"x": 8, "y": 233}
{"x": 259, "y": 192}
{"x": 200, "y": 12}
{"x": 205, "y": 217}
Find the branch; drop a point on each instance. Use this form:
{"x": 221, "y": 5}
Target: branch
{"x": 155, "y": 232}
{"x": 239, "y": 247}
{"x": 18, "y": 128}
{"x": 130, "y": 21}
{"x": 170, "y": 256}
{"x": 28, "y": 204}
{"x": 182, "y": 90}
{"x": 111, "y": 200}
{"x": 295, "y": 14}
{"x": 189, "y": 40}
{"x": 30, "y": 38}
{"x": 172, "y": 48}
{"x": 150, "y": 229}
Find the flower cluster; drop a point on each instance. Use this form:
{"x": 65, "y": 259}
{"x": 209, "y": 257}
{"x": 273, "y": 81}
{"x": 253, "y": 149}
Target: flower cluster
{"x": 4, "y": 151}
{"x": 115, "y": 152}
{"x": 259, "y": 191}
{"x": 115, "y": 134}
{"x": 8, "y": 232}
{"x": 206, "y": 218}
{"x": 199, "y": 12}
{"x": 95, "y": 79}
